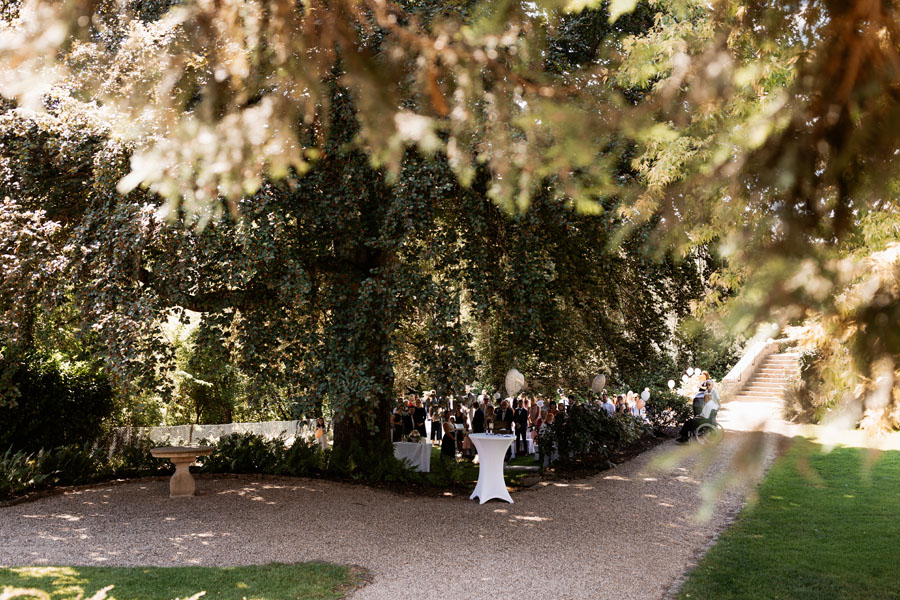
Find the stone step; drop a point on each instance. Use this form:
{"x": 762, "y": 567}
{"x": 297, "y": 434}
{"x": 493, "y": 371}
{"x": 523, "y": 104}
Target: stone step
{"x": 761, "y": 392}
{"x": 752, "y": 399}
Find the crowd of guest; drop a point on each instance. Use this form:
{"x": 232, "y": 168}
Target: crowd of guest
{"x": 451, "y": 420}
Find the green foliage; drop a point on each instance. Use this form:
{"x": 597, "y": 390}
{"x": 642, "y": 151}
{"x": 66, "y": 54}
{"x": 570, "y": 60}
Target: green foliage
{"x": 321, "y": 581}
{"x": 251, "y": 453}
{"x": 305, "y": 459}
{"x": 707, "y": 346}
{"x": 55, "y": 407}
{"x": 587, "y": 434}
{"x": 107, "y": 457}
{"x": 823, "y": 526}
{"x": 69, "y": 465}
{"x": 19, "y": 472}
{"x": 667, "y": 410}
{"x": 245, "y": 453}
{"x": 209, "y": 388}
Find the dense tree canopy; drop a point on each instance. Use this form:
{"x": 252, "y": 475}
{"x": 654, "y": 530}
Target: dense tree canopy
{"x": 358, "y": 146}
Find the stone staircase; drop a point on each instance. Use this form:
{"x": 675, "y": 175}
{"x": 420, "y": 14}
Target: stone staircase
{"x": 770, "y": 379}
{"x": 759, "y": 403}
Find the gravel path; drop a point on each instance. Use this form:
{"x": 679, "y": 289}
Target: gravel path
{"x": 626, "y": 533}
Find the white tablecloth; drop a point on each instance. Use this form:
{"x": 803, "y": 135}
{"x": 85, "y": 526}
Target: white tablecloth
{"x": 491, "y": 450}
{"x": 417, "y": 455}
{"x": 530, "y": 445}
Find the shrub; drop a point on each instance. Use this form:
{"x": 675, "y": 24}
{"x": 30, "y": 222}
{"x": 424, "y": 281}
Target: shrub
{"x": 587, "y": 433}
{"x": 71, "y": 465}
{"x": 370, "y": 467}
{"x": 18, "y": 473}
{"x": 54, "y": 408}
{"x": 304, "y": 458}
{"x": 246, "y": 453}
{"x": 110, "y": 456}
{"x": 667, "y": 410}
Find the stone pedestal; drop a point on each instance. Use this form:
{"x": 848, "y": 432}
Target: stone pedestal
{"x": 182, "y": 482}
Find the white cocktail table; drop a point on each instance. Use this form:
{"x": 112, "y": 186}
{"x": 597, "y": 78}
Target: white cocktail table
{"x": 182, "y": 482}
{"x": 491, "y": 450}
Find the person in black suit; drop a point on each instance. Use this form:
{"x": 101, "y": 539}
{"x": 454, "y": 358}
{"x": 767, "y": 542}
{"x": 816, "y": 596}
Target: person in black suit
{"x": 419, "y": 415}
{"x": 503, "y": 420}
{"x": 478, "y": 419}
{"x": 520, "y": 417}
{"x": 408, "y": 425}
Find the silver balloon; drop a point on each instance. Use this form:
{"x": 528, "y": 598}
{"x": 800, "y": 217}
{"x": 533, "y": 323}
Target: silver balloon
{"x": 645, "y": 395}
{"x": 671, "y": 384}
{"x": 515, "y": 381}
{"x": 599, "y": 383}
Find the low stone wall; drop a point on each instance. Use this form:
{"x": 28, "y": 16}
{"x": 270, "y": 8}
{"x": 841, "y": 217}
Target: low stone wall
{"x": 186, "y": 435}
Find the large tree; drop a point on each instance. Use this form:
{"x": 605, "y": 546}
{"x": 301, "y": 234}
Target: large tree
{"x": 761, "y": 128}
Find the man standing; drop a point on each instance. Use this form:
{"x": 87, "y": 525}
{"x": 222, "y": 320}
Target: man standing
{"x": 419, "y": 415}
{"x": 608, "y": 405}
{"x": 520, "y": 417}
{"x": 478, "y": 419}
{"x": 503, "y": 420}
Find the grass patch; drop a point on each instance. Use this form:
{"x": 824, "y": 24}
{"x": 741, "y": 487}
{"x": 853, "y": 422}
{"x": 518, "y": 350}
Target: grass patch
{"x": 260, "y": 582}
{"x": 825, "y": 526}
{"x": 468, "y": 474}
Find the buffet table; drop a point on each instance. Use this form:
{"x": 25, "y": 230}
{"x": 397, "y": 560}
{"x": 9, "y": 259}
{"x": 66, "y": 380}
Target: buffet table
{"x": 491, "y": 450}
{"x": 418, "y": 455}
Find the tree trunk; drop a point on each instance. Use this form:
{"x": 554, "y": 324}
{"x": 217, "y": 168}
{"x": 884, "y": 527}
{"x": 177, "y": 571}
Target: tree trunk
{"x": 364, "y": 325}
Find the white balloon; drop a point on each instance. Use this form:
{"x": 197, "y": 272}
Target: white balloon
{"x": 671, "y": 384}
{"x": 645, "y": 395}
{"x": 690, "y": 371}
{"x": 514, "y": 382}
{"x": 599, "y": 383}
{"x": 684, "y": 378}
{"x": 696, "y": 371}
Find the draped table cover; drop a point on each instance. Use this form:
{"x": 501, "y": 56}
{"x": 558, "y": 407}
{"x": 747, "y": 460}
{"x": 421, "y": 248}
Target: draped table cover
{"x": 491, "y": 450}
{"x": 529, "y": 443}
{"x": 417, "y": 454}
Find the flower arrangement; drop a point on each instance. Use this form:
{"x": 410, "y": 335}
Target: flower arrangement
{"x": 414, "y": 436}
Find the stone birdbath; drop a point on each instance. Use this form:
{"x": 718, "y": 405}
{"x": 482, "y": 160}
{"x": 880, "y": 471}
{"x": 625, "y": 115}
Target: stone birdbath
{"x": 182, "y": 482}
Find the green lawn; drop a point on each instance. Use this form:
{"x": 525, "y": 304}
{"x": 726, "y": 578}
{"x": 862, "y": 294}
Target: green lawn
{"x": 827, "y": 526}
{"x": 260, "y": 582}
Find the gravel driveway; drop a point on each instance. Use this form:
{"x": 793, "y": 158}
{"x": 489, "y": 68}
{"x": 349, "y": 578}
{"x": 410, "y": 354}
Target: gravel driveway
{"x": 627, "y": 533}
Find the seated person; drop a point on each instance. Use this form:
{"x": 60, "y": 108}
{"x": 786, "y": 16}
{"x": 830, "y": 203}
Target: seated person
{"x": 707, "y": 414}
{"x": 699, "y": 400}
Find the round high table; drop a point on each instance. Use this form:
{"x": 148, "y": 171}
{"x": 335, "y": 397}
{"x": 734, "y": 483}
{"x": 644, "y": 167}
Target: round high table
{"x": 182, "y": 482}
{"x": 491, "y": 450}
